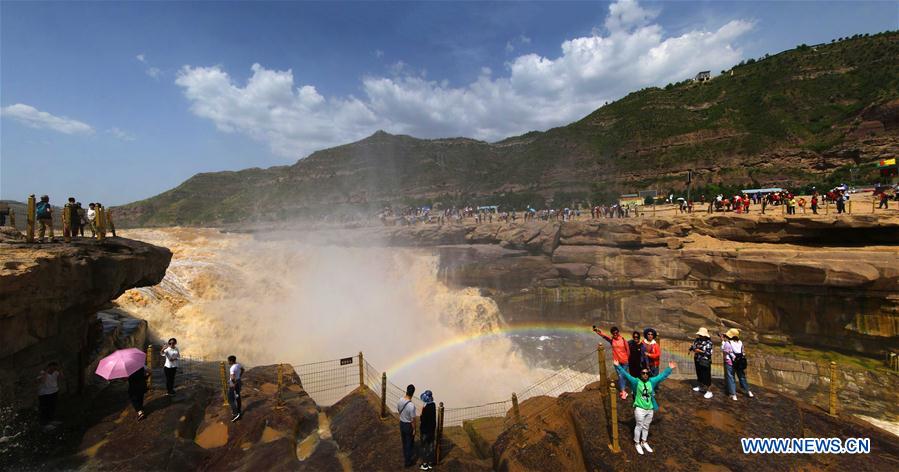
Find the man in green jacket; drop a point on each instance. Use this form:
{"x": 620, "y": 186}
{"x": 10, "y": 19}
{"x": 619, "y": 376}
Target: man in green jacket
{"x": 644, "y": 401}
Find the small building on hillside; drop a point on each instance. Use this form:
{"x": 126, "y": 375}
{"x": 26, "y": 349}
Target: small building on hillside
{"x": 629, "y": 199}
{"x": 703, "y": 76}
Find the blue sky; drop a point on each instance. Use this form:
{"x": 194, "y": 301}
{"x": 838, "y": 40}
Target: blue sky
{"x": 116, "y": 102}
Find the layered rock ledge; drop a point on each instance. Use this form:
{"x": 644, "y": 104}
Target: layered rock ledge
{"x": 49, "y": 298}
{"x": 288, "y": 431}
{"x": 827, "y": 282}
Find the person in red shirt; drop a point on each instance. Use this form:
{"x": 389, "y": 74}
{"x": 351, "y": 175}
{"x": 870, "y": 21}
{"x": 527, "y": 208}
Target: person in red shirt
{"x": 652, "y": 351}
{"x": 620, "y": 352}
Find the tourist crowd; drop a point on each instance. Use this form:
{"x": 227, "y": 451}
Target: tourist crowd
{"x": 637, "y": 363}
{"x": 74, "y": 218}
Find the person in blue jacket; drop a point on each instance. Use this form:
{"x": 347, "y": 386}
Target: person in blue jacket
{"x": 644, "y": 401}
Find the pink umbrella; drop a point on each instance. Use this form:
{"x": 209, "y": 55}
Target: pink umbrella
{"x": 121, "y": 364}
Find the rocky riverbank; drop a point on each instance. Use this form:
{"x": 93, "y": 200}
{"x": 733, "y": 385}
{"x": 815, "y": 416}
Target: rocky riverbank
{"x": 828, "y": 282}
{"x": 289, "y": 431}
{"x": 50, "y": 295}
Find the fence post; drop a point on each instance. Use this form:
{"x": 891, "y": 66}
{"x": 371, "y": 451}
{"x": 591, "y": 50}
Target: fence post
{"x": 439, "y": 438}
{"x": 361, "y": 370}
{"x": 613, "y": 398}
{"x": 516, "y": 413}
{"x": 110, "y": 223}
{"x": 67, "y": 223}
{"x": 833, "y": 388}
{"x": 149, "y": 366}
{"x": 850, "y": 207}
{"x": 101, "y": 225}
{"x": 29, "y": 218}
{"x": 224, "y": 384}
{"x": 280, "y": 381}
{"x": 601, "y": 360}
{"x": 873, "y": 205}
{"x": 384, "y": 395}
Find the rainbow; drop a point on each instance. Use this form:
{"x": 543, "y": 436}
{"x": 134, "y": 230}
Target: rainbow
{"x": 535, "y": 329}
{"x": 532, "y": 329}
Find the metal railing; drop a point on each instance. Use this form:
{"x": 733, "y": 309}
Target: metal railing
{"x": 327, "y": 382}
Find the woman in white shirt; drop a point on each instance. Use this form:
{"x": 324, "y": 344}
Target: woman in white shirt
{"x": 734, "y": 363}
{"x": 48, "y": 391}
{"x": 172, "y": 356}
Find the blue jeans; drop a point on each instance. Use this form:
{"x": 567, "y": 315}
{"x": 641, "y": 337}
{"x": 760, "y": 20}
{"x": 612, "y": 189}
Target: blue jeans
{"x": 408, "y": 443}
{"x": 731, "y": 383}
{"x": 234, "y": 397}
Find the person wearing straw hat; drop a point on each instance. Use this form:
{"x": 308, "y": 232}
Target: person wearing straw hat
{"x": 734, "y": 362}
{"x": 645, "y": 404}
{"x": 702, "y": 359}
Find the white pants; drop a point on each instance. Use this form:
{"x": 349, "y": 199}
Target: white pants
{"x": 643, "y": 417}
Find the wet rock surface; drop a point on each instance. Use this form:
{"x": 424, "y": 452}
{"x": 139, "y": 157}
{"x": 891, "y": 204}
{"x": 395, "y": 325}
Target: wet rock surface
{"x": 689, "y": 433}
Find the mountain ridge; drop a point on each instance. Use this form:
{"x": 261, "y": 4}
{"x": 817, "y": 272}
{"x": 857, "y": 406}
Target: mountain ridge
{"x": 803, "y": 116}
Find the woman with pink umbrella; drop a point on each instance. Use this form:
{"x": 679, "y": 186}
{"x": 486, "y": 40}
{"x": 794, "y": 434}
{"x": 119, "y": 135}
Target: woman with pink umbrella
{"x": 127, "y": 363}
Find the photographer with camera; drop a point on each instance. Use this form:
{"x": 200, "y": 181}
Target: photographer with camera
{"x": 619, "y": 353}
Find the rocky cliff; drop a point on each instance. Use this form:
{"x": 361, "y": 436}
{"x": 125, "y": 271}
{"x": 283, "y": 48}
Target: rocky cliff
{"x": 49, "y": 298}
{"x": 289, "y": 431}
{"x": 829, "y": 282}
{"x": 687, "y": 434}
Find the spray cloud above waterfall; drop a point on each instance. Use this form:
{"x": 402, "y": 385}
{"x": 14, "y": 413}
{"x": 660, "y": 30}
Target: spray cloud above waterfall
{"x": 276, "y": 301}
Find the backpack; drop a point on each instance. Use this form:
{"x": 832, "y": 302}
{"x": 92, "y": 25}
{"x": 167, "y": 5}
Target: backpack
{"x": 43, "y": 210}
{"x": 740, "y": 362}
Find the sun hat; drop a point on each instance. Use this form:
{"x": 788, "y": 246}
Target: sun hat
{"x": 703, "y": 332}
{"x": 733, "y": 333}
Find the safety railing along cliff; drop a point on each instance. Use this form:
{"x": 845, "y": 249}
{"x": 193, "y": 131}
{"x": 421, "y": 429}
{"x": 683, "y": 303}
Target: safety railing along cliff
{"x": 327, "y": 382}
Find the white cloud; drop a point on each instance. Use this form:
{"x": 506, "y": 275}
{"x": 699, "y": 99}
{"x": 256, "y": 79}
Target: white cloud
{"x": 269, "y": 109}
{"x": 379, "y": 53}
{"x": 35, "y": 118}
{"x": 121, "y": 134}
{"x": 151, "y": 71}
{"x": 510, "y": 47}
{"x": 536, "y": 93}
{"x": 625, "y": 14}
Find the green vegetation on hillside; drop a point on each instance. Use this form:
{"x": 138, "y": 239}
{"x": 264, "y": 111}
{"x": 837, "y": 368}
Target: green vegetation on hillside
{"x": 791, "y": 119}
